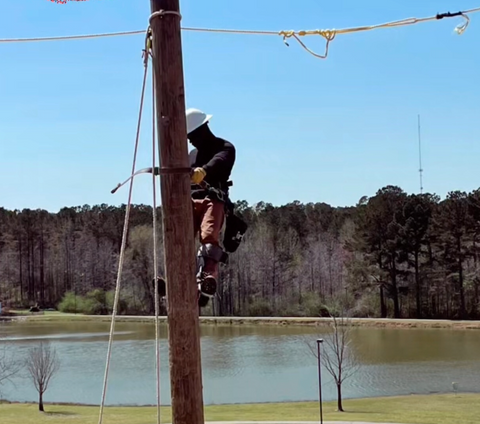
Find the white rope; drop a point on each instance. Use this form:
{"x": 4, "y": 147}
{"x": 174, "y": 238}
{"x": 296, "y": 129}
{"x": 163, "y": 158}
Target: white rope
{"x": 402, "y": 22}
{"x": 70, "y": 37}
{"x": 155, "y": 250}
{"x": 122, "y": 252}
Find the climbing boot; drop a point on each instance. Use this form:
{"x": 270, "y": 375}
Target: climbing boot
{"x": 202, "y": 300}
{"x": 207, "y": 284}
{"x": 162, "y": 287}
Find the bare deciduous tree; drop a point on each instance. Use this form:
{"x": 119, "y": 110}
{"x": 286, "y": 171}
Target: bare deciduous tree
{"x": 42, "y": 364}
{"x": 9, "y": 364}
{"x": 337, "y": 357}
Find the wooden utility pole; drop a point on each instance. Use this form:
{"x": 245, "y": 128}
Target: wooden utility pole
{"x": 180, "y": 261}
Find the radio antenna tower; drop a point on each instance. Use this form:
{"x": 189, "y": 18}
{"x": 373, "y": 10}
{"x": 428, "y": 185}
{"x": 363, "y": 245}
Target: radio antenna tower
{"x": 420, "y": 170}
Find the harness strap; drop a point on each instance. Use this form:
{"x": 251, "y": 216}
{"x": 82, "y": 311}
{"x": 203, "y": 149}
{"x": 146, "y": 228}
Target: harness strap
{"x": 203, "y": 190}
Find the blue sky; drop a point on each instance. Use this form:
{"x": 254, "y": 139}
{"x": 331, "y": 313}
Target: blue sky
{"x": 305, "y": 129}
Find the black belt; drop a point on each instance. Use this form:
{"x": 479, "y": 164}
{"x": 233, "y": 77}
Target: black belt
{"x": 199, "y": 192}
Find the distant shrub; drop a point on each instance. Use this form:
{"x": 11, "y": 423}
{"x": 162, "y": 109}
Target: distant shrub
{"x": 123, "y": 304}
{"x": 260, "y": 308}
{"x": 367, "y": 306}
{"x": 71, "y": 303}
{"x": 95, "y": 302}
{"x": 313, "y": 306}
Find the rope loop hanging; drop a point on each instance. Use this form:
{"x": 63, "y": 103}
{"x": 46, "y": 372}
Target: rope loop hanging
{"x": 146, "y": 53}
{"x": 328, "y": 35}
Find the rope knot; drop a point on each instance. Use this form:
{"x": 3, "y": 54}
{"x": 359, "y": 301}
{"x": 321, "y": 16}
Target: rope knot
{"x": 287, "y": 34}
{"x": 459, "y": 29}
{"x": 328, "y": 34}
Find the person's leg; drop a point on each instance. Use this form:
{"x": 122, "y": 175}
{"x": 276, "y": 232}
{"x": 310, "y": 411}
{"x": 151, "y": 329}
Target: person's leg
{"x": 210, "y": 228}
{"x": 199, "y": 206}
{"x": 198, "y": 210}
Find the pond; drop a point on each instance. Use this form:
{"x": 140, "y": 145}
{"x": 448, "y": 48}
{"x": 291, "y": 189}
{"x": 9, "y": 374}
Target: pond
{"x": 243, "y": 364}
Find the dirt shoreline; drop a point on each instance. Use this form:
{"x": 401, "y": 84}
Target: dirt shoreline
{"x": 272, "y": 321}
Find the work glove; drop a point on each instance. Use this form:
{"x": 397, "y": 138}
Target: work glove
{"x": 198, "y": 175}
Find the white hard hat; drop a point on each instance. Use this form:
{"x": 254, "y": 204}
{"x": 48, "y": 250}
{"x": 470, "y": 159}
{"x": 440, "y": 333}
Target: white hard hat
{"x": 196, "y": 118}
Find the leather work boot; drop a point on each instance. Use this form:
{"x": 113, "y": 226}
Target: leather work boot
{"x": 202, "y": 300}
{"x": 207, "y": 287}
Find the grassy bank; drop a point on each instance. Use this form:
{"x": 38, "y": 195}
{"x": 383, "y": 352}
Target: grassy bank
{"x": 361, "y": 322}
{"x": 429, "y": 409}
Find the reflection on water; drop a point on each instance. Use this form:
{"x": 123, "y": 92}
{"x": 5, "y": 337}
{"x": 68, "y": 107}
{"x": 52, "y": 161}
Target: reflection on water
{"x": 49, "y": 337}
{"x": 416, "y": 345}
{"x": 244, "y": 363}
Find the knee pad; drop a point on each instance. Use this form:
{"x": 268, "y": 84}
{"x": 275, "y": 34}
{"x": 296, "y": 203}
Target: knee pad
{"x": 213, "y": 252}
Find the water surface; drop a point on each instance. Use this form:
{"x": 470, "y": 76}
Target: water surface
{"x": 244, "y": 363}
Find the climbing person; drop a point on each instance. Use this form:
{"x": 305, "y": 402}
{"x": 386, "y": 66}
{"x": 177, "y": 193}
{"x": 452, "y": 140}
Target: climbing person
{"x": 211, "y": 161}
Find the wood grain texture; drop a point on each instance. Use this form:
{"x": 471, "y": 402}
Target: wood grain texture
{"x": 180, "y": 261}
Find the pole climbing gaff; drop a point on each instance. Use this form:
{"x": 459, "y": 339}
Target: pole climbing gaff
{"x": 158, "y": 171}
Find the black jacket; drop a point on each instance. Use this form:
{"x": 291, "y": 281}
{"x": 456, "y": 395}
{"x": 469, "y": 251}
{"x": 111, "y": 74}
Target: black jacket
{"x": 217, "y": 159}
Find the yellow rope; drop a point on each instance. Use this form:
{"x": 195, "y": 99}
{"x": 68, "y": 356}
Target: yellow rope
{"x": 327, "y": 34}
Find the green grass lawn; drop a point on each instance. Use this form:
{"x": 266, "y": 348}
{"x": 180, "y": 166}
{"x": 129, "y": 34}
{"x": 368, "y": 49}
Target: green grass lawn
{"x": 430, "y": 409}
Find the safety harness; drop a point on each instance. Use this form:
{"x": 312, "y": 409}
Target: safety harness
{"x": 203, "y": 190}
{"x": 235, "y": 227}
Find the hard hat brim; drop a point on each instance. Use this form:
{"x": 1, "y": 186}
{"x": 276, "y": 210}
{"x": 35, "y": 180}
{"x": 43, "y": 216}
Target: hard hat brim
{"x": 207, "y": 118}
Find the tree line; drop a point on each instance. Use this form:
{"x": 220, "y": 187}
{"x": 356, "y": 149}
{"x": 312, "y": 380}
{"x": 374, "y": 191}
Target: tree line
{"x": 393, "y": 254}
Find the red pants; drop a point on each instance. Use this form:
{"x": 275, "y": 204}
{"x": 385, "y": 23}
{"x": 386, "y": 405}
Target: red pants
{"x": 208, "y": 216}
